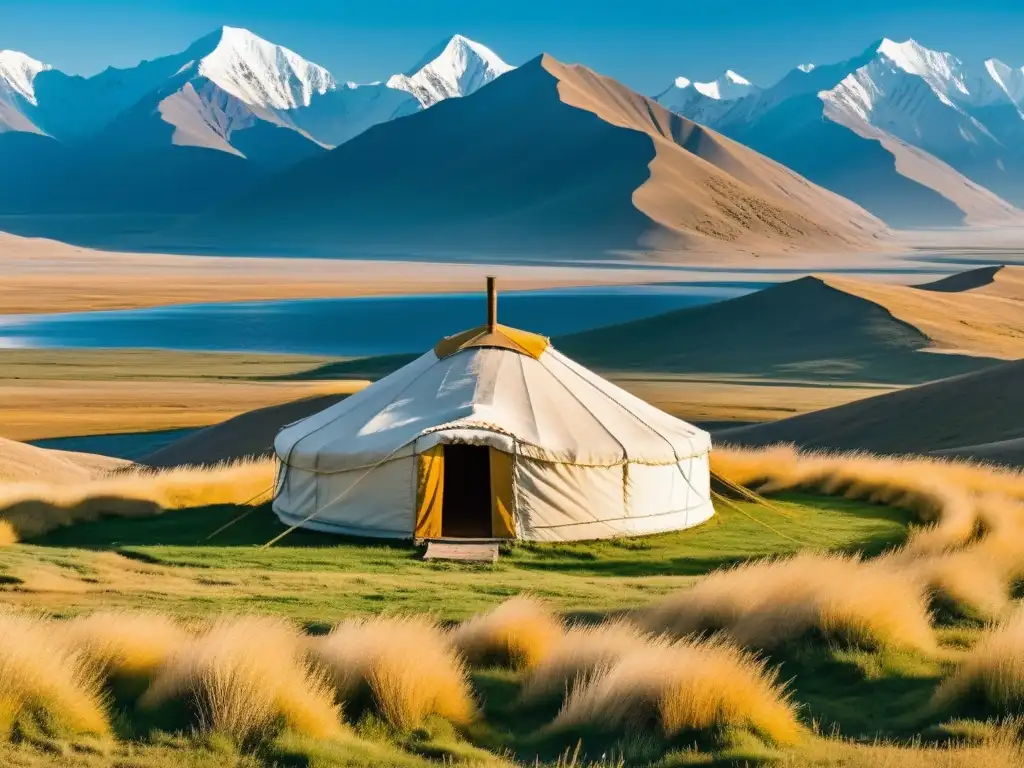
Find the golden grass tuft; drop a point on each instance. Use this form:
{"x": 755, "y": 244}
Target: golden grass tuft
{"x": 406, "y": 665}
{"x": 45, "y": 680}
{"x": 999, "y": 748}
{"x": 968, "y": 547}
{"x": 781, "y": 467}
{"x": 578, "y": 655}
{"x": 949, "y": 497}
{"x": 992, "y": 676}
{"x": 687, "y": 687}
{"x": 966, "y": 583}
{"x": 125, "y": 644}
{"x": 246, "y": 678}
{"x": 519, "y": 634}
{"x": 842, "y": 599}
{"x": 32, "y": 509}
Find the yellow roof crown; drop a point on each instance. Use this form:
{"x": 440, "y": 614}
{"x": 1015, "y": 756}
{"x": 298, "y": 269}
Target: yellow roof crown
{"x": 501, "y": 336}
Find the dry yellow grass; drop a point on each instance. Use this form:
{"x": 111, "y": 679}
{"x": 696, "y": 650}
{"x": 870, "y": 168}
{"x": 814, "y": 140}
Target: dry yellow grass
{"x": 124, "y": 643}
{"x": 578, "y": 655}
{"x": 991, "y": 678}
{"x": 684, "y": 687}
{"x": 969, "y": 545}
{"x": 1000, "y": 749}
{"x": 32, "y": 509}
{"x": 44, "y": 679}
{"x": 762, "y": 604}
{"x": 975, "y": 580}
{"x": 407, "y": 665}
{"x": 246, "y": 677}
{"x": 8, "y": 535}
{"x": 935, "y": 490}
{"x": 519, "y": 633}
{"x": 964, "y": 583}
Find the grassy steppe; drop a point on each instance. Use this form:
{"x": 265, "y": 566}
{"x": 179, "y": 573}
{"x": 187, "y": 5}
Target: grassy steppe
{"x": 823, "y": 658}
{"x": 164, "y": 563}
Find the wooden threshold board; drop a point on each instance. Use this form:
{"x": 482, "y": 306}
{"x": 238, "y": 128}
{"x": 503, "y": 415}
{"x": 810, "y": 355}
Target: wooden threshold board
{"x": 467, "y": 551}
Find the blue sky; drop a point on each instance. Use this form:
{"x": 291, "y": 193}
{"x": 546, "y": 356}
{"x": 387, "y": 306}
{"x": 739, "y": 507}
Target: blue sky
{"x": 644, "y": 43}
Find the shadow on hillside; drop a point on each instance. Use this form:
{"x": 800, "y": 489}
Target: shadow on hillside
{"x": 122, "y": 445}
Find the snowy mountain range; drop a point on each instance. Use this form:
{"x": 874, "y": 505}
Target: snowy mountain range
{"x": 226, "y": 82}
{"x": 918, "y": 137}
{"x": 231, "y": 91}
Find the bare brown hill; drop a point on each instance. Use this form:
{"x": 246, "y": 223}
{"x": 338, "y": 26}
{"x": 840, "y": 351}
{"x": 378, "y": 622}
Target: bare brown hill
{"x": 999, "y": 280}
{"x": 820, "y": 328}
{"x": 20, "y": 462}
{"x": 245, "y": 436}
{"x": 980, "y": 312}
{"x": 979, "y": 415}
{"x": 548, "y": 157}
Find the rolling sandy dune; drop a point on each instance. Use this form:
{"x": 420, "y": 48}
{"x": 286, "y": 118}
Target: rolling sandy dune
{"x": 980, "y": 312}
{"x": 1003, "y": 281}
{"x": 827, "y": 328}
{"x": 549, "y": 158}
{"x": 978, "y": 415}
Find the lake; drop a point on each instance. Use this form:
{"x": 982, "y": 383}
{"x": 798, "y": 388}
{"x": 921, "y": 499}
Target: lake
{"x": 354, "y": 327}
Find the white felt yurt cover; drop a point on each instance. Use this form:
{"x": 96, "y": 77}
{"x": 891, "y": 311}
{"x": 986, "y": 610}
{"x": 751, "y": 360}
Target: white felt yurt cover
{"x": 585, "y": 459}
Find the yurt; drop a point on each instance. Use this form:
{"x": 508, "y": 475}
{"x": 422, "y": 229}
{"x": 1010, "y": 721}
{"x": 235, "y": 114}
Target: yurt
{"x": 493, "y": 434}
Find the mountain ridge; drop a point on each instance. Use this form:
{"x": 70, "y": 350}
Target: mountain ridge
{"x": 551, "y": 156}
{"x": 892, "y": 129}
{"x": 256, "y": 106}
{"x": 827, "y": 328}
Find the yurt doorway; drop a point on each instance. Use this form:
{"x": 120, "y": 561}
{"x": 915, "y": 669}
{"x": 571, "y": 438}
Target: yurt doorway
{"x": 466, "y": 504}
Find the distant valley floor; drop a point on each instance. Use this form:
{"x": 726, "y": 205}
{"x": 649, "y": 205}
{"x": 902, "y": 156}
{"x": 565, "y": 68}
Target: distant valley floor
{"x": 42, "y": 276}
{"x": 75, "y": 393}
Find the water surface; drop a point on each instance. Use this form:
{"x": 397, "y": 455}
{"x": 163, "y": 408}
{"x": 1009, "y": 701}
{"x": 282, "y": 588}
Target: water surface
{"x": 359, "y": 326}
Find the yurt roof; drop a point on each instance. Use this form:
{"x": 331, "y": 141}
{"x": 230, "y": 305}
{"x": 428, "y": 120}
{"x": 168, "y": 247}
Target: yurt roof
{"x": 552, "y": 407}
{"x": 499, "y": 385}
{"x": 501, "y": 336}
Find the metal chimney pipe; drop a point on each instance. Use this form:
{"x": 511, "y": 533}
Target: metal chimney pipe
{"x": 492, "y": 304}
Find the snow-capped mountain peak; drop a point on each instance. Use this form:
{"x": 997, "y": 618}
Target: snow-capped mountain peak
{"x": 729, "y": 86}
{"x": 261, "y": 73}
{"x": 901, "y": 74}
{"x": 1007, "y": 79}
{"x": 457, "y": 67}
{"x": 937, "y": 68}
{"x": 18, "y": 72}
{"x": 706, "y": 102}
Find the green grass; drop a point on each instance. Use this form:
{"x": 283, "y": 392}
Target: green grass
{"x": 181, "y": 538}
{"x": 165, "y": 563}
{"x": 316, "y": 577}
